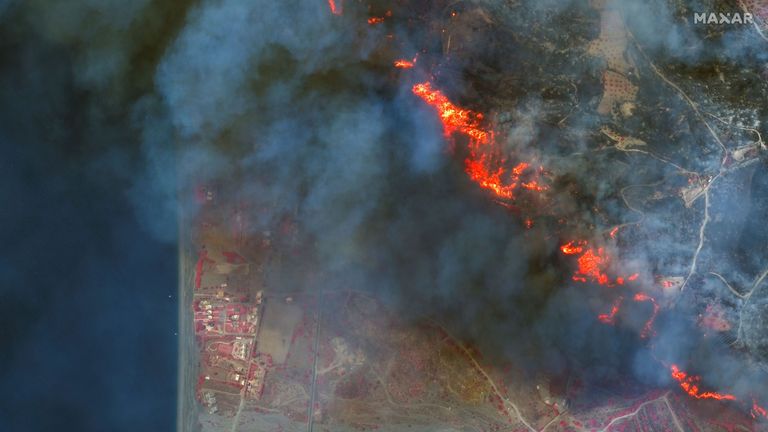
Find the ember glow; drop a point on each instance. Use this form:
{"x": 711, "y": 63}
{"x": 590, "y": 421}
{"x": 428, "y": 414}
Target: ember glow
{"x": 404, "y": 64}
{"x": 648, "y": 327}
{"x": 613, "y": 232}
{"x": 591, "y": 266}
{"x": 573, "y": 247}
{"x": 610, "y": 318}
{"x": 534, "y": 186}
{"x": 485, "y": 164}
{"x": 454, "y": 119}
{"x": 690, "y": 384}
{"x": 379, "y": 20}
{"x": 757, "y": 410}
{"x": 335, "y": 9}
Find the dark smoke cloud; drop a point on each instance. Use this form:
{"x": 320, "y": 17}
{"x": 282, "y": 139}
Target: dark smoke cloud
{"x": 361, "y": 167}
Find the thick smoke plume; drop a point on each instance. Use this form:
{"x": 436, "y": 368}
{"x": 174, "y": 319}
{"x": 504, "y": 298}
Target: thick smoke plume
{"x": 320, "y": 132}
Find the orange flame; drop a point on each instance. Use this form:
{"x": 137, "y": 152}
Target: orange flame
{"x": 403, "y": 63}
{"x": 571, "y": 249}
{"x": 379, "y": 20}
{"x": 610, "y": 318}
{"x": 534, "y": 186}
{"x": 485, "y": 164}
{"x": 690, "y": 384}
{"x": 478, "y": 170}
{"x": 648, "y": 327}
{"x": 613, "y": 232}
{"x": 335, "y": 9}
{"x": 591, "y": 265}
{"x": 454, "y": 118}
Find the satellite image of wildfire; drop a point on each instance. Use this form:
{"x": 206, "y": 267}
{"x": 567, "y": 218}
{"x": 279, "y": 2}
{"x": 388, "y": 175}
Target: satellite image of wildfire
{"x": 480, "y": 215}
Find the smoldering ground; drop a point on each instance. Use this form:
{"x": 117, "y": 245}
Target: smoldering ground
{"x": 304, "y": 110}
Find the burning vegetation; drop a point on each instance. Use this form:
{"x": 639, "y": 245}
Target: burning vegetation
{"x": 405, "y": 64}
{"x": 690, "y": 384}
{"x": 486, "y": 165}
{"x": 336, "y": 6}
{"x": 506, "y": 178}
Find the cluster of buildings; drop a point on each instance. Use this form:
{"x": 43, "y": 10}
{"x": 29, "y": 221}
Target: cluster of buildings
{"x": 236, "y": 349}
{"x": 226, "y": 325}
{"x": 214, "y": 316}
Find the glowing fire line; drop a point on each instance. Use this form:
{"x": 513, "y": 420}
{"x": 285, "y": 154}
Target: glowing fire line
{"x": 648, "y": 327}
{"x": 378, "y": 20}
{"x": 592, "y": 264}
{"x": 335, "y": 9}
{"x": 404, "y": 64}
{"x": 486, "y": 167}
{"x": 485, "y": 164}
{"x": 610, "y": 317}
{"x": 690, "y": 384}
